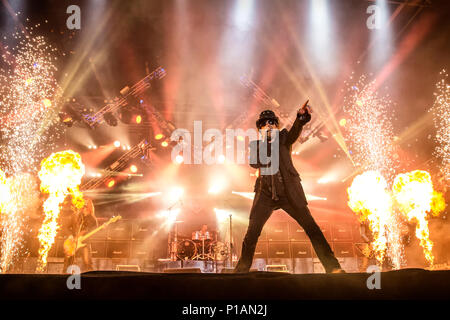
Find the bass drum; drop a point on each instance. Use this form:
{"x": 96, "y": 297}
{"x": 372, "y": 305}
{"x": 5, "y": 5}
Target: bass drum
{"x": 218, "y": 250}
{"x": 186, "y": 249}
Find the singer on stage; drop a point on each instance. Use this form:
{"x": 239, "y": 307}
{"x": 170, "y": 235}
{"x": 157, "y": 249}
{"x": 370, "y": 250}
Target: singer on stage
{"x": 281, "y": 190}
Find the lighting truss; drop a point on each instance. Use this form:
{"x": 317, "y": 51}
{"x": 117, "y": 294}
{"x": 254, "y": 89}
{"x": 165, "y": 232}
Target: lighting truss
{"x": 112, "y": 170}
{"x": 259, "y": 93}
{"x": 94, "y": 120}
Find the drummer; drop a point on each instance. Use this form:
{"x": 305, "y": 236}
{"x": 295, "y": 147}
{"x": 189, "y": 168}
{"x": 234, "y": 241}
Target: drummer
{"x": 202, "y": 234}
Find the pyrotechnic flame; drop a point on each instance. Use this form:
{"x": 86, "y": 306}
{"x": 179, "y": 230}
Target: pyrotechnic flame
{"x": 370, "y": 198}
{"x": 60, "y": 175}
{"x": 415, "y": 197}
{"x": 412, "y": 196}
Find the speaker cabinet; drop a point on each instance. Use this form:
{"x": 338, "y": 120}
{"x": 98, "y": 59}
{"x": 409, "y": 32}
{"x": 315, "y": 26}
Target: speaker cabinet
{"x": 278, "y": 231}
{"x": 296, "y": 233}
{"x": 98, "y": 249}
{"x": 120, "y": 230}
{"x": 261, "y": 251}
{"x": 343, "y": 249}
{"x": 118, "y": 249}
{"x": 301, "y": 250}
{"x": 141, "y": 230}
{"x": 342, "y": 232}
{"x": 279, "y": 250}
{"x": 140, "y": 250}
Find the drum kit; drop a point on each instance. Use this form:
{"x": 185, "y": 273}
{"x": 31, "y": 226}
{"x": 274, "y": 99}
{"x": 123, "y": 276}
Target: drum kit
{"x": 202, "y": 246}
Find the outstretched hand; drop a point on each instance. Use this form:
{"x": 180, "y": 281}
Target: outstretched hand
{"x": 305, "y": 108}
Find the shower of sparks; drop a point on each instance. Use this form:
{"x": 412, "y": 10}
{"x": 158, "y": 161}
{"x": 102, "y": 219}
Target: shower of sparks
{"x": 60, "y": 175}
{"x": 19, "y": 196}
{"x": 415, "y": 197}
{"x": 369, "y": 131}
{"x": 30, "y": 97}
{"x": 441, "y": 113}
{"x": 29, "y": 130}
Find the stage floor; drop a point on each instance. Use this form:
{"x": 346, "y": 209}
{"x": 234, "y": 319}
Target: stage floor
{"x": 261, "y": 286}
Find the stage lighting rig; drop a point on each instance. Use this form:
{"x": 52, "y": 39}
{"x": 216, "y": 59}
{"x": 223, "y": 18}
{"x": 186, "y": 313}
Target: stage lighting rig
{"x": 111, "y": 109}
{"x": 110, "y": 119}
{"x": 317, "y": 132}
{"x": 266, "y": 102}
{"x": 166, "y": 127}
{"x": 71, "y": 112}
{"x": 259, "y": 93}
{"x": 142, "y": 148}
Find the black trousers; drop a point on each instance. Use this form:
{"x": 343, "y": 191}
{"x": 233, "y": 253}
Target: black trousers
{"x": 262, "y": 208}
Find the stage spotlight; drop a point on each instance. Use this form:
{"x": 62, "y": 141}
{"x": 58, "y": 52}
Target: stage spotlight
{"x": 342, "y": 122}
{"x": 111, "y": 183}
{"x": 179, "y": 159}
{"x": 217, "y": 185}
{"x": 247, "y": 195}
{"x": 169, "y": 215}
{"x": 138, "y": 119}
{"x": 164, "y": 144}
{"x": 117, "y": 144}
{"x": 323, "y": 180}
{"x": 175, "y": 194}
{"x": 159, "y": 136}
{"x": 66, "y": 119}
{"x": 221, "y": 159}
{"x": 243, "y": 13}
{"x": 381, "y": 34}
{"x": 222, "y": 215}
{"x": 320, "y": 29}
{"x": 110, "y": 119}
{"x": 133, "y": 169}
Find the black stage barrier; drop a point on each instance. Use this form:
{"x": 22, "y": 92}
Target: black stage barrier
{"x": 256, "y": 286}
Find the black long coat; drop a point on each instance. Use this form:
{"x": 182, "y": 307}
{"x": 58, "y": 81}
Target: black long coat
{"x": 291, "y": 178}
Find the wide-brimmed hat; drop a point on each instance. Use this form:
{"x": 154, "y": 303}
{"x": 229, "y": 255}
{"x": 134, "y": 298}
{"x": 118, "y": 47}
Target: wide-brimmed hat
{"x": 264, "y": 116}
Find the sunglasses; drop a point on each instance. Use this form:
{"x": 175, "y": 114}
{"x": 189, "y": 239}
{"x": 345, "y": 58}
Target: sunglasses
{"x": 270, "y": 121}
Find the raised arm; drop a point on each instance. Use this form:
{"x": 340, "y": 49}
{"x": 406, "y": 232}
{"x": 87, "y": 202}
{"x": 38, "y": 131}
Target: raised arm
{"x": 303, "y": 117}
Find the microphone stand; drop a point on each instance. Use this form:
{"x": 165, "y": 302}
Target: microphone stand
{"x": 231, "y": 241}
{"x": 172, "y": 245}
